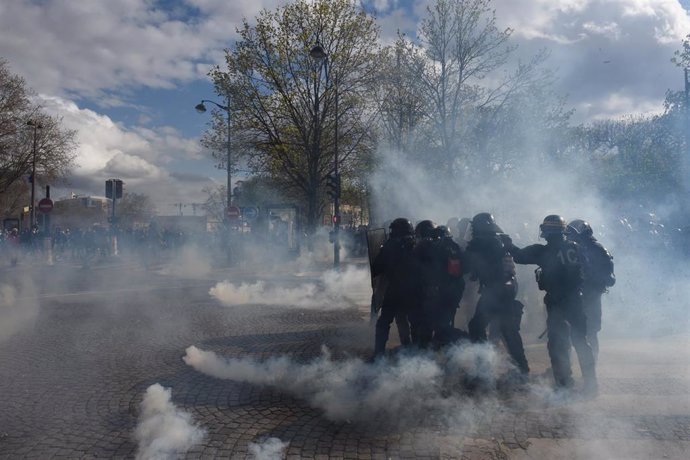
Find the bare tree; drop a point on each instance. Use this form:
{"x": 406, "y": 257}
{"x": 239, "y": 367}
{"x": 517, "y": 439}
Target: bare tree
{"x": 456, "y": 62}
{"x": 400, "y": 100}
{"x": 54, "y": 145}
{"x": 135, "y": 208}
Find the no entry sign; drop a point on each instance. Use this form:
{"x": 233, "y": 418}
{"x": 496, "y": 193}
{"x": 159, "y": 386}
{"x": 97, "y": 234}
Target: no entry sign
{"x": 45, "y": 205}
{"x": 233, "y": 212}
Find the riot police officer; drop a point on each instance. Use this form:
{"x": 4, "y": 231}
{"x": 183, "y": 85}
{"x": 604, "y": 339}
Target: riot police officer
{"x": 598, "y": 276}
{"x": 560, "y": 275}
{"x": 398, "y": 263}
{"x": 422, "y": 319}
{"x": 448, "y": 274}
{"x": 489, "y": 261}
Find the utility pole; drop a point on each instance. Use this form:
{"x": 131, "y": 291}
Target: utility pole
{"x": 179, "y": 206}
{"x": 194, "y": 206}
{"x": 32, "y": 208}
{"x": 201, "y": 108}
{"x": 686, "y": 163}
{"x": 318, "y": 54}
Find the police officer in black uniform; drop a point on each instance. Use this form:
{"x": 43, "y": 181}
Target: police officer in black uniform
{"x": 598, "y": 276}
{"x": 489, "y": 261}
{"x": 448, "y": 268}
{"x": 422, "y": 320}
{"x": 560, "y": 275}
{"x": 398, "y": 263}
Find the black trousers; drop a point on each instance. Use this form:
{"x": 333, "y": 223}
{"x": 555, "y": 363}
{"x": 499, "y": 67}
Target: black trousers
{"x": 498, "y": 303}
{"x": 394, "y": 307}
{"x": 444, "y": 316}
{"x": 591, "y": 305}
{"x": 567, "y": 323}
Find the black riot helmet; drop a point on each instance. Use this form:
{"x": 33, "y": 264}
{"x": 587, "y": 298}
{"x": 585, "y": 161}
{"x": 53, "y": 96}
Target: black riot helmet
{"x": 443, "y": 232}
{"x": 425, "y": 229}
{"x": 401, "y": 227}
{"x": 553, "y": 225}
{"x": 484, "y": 224}
{"x": 580, "y": 228}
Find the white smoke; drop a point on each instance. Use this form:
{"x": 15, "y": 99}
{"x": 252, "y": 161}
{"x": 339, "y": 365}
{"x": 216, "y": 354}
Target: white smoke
{"x": 334, "y": 290}
{"x": 18, "y": 307}
{"x": 189, "y": 262}
{"x": 164, "y": 431}
{"x": 270, "y": 449}
{"x": 651, "y": 289}
{"x": 413, "y": 386}
{"x": 320, "y": 251}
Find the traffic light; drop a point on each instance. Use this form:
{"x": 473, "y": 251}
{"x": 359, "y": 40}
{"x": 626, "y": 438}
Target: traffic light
{"x": 113, "y": 188}
{"x": 118, "y": 188}
{"x": 333, "y": 185}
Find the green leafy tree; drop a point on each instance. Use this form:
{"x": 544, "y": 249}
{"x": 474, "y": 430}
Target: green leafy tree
{"x": 283, "y": 106}
{"x": 636, "y": 157}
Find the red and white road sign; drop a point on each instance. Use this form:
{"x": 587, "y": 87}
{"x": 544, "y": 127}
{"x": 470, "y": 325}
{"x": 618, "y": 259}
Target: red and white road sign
{"x": 233, "y": 212}
{"x": 45, "y": 205}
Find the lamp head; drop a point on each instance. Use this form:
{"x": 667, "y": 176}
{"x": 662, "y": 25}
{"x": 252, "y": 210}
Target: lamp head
{"x": 200, "y": 107}
{"x": 317, "y": 53}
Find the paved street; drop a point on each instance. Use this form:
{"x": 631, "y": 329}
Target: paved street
{"x": 82, "y": 347}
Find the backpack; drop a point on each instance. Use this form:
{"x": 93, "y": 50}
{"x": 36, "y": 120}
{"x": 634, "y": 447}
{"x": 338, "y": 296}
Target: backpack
{"x": 453, "y": 259}
{"x": 598, "y": 266}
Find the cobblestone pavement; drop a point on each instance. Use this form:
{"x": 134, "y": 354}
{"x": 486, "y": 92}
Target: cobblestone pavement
{"x": 74, "y": 368}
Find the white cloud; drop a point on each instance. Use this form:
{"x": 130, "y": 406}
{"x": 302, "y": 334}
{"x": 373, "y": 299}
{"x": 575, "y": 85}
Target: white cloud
{"x": 605, "y": 51}
{"x": 91, "y": 46}
{"x": 612, "y": 56}
{"x": 139, "y": 156}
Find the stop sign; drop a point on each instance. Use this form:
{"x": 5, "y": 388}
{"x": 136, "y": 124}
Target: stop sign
{"x": 233, "y": 212}
{"x": 45, "y": 205}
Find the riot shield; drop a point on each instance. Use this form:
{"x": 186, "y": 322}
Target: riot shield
{"x": 375, "y": 238}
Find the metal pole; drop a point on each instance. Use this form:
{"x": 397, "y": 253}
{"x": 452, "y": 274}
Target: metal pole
{"x": 336, "y": 199}
{"x": 113, "y": 226}
{"x": 47, "y": 237}
{"x": 229, "y": 186}
{"x": 46, "y": 217}
{"x": 686, "y": 159}
{"x": 33, "y": 178}
{"x": 229, "y": 156}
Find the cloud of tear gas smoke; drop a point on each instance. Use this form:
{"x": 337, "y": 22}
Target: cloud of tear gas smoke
{"x": 189, "y": 262}
{"x": 270, "y": 449}
{"x": 413, "y": 387}
{"x": 334, "y": 290}
{"x": 651, "y": 291}
{"x": 321, "y": 250}
{"x": 18, "y": 307}
{"x": 164, "y": 431}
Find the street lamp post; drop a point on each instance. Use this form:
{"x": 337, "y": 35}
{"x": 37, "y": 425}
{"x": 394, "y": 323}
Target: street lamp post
{"x": 686, "y": 172}
{"x": 201, "y": 108}
{"x": 318, "y": 54}
{"x": 32, "y": 211}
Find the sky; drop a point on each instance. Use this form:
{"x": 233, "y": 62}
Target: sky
{"x": 126, "y": 74}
